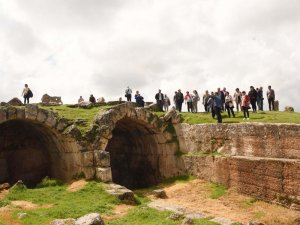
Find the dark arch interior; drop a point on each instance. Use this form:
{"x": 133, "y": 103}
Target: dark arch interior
{"x": 134, "y": 155}
{"x": 27, "y": 151}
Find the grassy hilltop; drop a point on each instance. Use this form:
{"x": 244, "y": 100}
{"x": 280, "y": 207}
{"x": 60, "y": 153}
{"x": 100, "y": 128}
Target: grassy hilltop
{"x": 190, "y": 118}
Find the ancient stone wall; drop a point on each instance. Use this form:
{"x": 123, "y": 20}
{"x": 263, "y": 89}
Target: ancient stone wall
{"x": 262, "y": 160}
{"x": 243, "y": 139}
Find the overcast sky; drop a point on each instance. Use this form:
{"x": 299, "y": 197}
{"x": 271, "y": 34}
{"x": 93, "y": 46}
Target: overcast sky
{"x": 70, "y": 48}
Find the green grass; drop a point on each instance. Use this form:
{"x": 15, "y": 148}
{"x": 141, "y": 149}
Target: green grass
{"x": 77, "y": 113}
{"x": 3, "y": 202}
{"x": 148, "y": 216}
{"x": 217, "y": 190}
{"x": 64, "y": 204}
{"x": 265, "y": 116}
{"x": 248, "y": 203}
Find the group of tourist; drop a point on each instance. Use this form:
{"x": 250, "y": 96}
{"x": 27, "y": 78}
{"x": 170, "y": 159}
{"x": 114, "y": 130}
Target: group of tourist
{"x": 214, "y": 102}
{"x": 92, "y": 99}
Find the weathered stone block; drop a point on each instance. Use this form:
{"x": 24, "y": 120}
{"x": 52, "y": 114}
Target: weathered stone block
{"x": 74, "y": 132}
{"x": 51, "y": 120}
{"x": 42, "y": 115}
{"x": 31, "y": 112}
{"x": 102, "y": 158}
{"x": 87, "y": 159}
{"x": 62, "y": 124}
{"x": 104, "y": 174}
{"x": 11, "y": 113}
{"x": 124, "y": 194}
{"x": 21, "y": 114}
{"x": 105, "y": 131}
{"x": 89, "y": 172}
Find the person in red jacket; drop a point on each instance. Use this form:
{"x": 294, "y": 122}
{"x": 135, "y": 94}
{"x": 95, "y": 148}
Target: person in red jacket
{"x": 245, "y": 102}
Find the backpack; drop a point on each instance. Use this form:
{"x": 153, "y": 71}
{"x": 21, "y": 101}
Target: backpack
{"x": 29, "y": 94}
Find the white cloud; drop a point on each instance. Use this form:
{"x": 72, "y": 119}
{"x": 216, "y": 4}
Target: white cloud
{"x": 75, "y": 47}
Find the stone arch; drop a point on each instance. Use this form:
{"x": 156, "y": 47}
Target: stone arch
{"x": 142, "y": 148}
{"x": 32, "y": 146}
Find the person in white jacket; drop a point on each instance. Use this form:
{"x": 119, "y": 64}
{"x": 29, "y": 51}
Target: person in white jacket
{"x": 25, "y": 94}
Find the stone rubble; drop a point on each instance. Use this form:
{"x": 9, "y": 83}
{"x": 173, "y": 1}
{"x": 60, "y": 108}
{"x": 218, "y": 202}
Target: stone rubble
{"x": 124, "y": 194}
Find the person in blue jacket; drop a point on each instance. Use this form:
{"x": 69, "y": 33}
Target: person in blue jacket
{"x": 139, "y": 99}
{"x": 217, "y": 104}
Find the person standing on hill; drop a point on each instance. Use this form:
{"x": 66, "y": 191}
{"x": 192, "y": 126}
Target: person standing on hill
{"x": 217, "y": 102}
{"x": 245, "y": 104}
{"x": 188, "y": 101}
{"x": 128, "y": 93}
{"x": 139, "y": 99}
{"x": 260, "y": 99}
{"x": 92, "y": 99}
{"x": 160, "y": 100}
{"x": 205, "y": 101}
{"x": 229, "y": 104}
{"x": 271, "y": 98}
{"x": 195, "y": 99}
{"x": 253, "y": 98}
{"x": 179, "y": 100}
{"x": 237, "y": 98}
{"x": 167, "y": 103}
{"x": 80, "y": 99}
{"x": 27, "y": 93}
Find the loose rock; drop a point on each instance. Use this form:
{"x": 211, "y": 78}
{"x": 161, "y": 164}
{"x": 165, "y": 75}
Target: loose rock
{"x": 187, "y": 221}
{"x": 15, "y": 102}
{"x": 4, "y": 186}
{"x": 90, "y": 219}
{"x": 159, "y": 193}
{"x": 176, "y": 216}
{"x": 122, "y": 193}
{"x": 21, "y": 215}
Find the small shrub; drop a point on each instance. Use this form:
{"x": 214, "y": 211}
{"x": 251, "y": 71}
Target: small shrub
{"x": 46, "y": 182}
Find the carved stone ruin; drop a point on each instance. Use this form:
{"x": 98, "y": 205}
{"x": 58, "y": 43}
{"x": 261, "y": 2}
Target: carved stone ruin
{"x": 51, "y": 100}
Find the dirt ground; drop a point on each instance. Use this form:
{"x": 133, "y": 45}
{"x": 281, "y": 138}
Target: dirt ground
{"x": 194, "y": 196}
{"x": 76, "y": 185}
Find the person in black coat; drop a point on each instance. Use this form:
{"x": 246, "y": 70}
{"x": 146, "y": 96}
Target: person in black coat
{"x": 253, "y": 98}
{"x": 179, "y": 100}
{"x": 139, "y": 99}
{"x": 92, "y": 99}
{"x": 160, "y": 100}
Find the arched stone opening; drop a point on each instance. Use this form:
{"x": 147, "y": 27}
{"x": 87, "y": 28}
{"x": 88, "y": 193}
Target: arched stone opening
{"x": 135, "y": 154}
{"x": 29, "y": 151}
